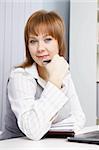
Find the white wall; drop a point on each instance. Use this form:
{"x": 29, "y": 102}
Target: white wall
{"x": 13, "y": 16}
{"x": 83, "y": 54}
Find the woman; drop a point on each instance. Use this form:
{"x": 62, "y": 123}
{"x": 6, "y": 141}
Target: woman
{"x": 40, "y": 91}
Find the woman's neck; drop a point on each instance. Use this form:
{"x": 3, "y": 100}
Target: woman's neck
{"x": 43, "y": 73}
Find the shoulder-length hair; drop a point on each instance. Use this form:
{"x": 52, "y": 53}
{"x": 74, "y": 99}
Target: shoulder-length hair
{"x": 46, "y": 23}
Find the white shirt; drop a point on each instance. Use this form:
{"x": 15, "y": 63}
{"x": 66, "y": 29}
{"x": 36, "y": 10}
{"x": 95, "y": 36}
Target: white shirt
{"x": 38, "y": 105}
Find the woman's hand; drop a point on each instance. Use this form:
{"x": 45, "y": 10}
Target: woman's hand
{"x": 57, "y": 69}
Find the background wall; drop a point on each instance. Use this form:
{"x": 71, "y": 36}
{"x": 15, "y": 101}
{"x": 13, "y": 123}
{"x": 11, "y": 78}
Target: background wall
{"x": 83, "y": 20}
{"x": 13, "y": 16}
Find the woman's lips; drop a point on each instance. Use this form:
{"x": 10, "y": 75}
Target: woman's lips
{"x": 44, "y": 57}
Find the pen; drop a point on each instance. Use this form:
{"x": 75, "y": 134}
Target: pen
{"x": 46, "y": 61}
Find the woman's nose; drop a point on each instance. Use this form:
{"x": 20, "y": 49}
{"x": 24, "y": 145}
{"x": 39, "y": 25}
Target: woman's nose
{"x": 41, "y": 46}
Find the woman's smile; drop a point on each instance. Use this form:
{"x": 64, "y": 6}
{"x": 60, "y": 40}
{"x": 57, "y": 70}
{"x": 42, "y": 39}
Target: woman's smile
{"x": 43, "y": 57}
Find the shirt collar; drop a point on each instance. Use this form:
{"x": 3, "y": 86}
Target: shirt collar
{"x": 32, "y": 70}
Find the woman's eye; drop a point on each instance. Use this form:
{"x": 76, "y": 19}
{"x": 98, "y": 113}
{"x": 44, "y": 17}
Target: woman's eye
{"x": 47, "y": 39}
{"x": 33, "y": 41}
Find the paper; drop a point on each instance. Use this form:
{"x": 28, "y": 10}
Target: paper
{"x": 62, "y": 127}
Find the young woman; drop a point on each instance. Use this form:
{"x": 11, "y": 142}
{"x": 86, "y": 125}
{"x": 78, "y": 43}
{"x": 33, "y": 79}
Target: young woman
{"x": 40, "y": 91}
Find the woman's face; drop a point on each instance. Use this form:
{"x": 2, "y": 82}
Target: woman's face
{"x": 42, "y": 47}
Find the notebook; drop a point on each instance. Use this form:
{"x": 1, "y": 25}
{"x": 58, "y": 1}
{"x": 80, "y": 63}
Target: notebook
{"x": 91, "y": 137}
{"x": 59, "y": 134}
{"x": 61, "y": 130}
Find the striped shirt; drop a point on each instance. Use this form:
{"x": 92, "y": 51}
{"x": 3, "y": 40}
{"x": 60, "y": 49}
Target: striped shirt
{"x": 38, "y": 105}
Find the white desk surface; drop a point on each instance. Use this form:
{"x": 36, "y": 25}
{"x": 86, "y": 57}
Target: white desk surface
{"x": 47, "y": 143}
{"x": 23, "y": 143}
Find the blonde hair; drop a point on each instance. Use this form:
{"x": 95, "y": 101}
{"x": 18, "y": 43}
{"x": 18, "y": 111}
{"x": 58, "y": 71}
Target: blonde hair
{"x": 44, "y": 22}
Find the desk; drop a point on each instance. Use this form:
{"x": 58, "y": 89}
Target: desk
{"x": 48, "y": 143}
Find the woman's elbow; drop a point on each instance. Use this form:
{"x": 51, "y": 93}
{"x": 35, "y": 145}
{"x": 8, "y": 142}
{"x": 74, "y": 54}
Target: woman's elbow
{"x": 34, "y": 137}
{"x": 35, "y": 133}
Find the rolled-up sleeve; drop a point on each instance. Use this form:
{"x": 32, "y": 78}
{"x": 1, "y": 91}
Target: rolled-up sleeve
{"x": 34, "y": 116}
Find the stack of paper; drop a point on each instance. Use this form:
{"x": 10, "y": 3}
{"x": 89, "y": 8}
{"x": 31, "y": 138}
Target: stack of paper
{"x": 65, "y": 125}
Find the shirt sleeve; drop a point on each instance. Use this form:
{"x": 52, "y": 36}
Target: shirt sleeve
{"x": 76, "y": 116}
{"x": 34, "y": 116}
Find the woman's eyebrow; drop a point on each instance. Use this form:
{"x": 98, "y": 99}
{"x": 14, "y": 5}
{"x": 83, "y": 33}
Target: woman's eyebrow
{"x": 46, "y": 35}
